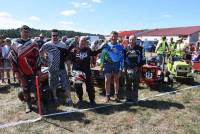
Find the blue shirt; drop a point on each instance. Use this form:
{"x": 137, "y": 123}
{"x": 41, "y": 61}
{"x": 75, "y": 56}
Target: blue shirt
{"x": 115, "y": 51}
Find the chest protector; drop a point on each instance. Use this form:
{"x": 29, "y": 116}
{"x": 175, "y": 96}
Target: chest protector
{"x": 133, "y": 58}
{"x": 25, "y": 54}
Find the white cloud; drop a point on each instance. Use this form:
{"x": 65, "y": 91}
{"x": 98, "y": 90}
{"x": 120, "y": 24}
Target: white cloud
{"x": 69, "y": 25}
{"x": 4, "y": 14}
{"x": 68, "y": 12}
{"x": 66, "y": 22}
{"x": 166, "y": 15}
{"x": 66, "y": 25}
{"x": 34, "y": 18}
{"x": 7, "y": 21}
{"x": 81, "y": 4}
{"x": 96, "y": 1}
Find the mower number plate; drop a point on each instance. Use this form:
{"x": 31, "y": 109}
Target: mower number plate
{"x": 149, "y": 75}
{"x": 130, "y": 71}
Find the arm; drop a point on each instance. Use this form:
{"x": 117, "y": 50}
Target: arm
{"x": 122, "y": 58}
{"x": 167, "y": 47}
{"x": 12, "y": 56}
{"x": 142, "y": 57}
{"x": 158, "y": 46}
{"x": 95, "y": 52}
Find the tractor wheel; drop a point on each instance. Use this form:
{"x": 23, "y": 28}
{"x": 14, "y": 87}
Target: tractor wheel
{"x": 191, "y": 81}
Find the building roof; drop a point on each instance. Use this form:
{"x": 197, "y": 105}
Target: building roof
{"x": 128, "y": 33}
{"x": 178, "y": 31}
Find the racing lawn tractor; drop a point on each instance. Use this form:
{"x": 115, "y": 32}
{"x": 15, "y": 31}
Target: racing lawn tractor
{"x": 151, "y": 74}
{"x": 180, "y": 70}
{"x": 196, "y": 62}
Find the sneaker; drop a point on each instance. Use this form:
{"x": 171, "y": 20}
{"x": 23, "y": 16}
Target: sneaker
{"x": 128, "y": 100}
{"x": 131, "y": 101}
{"x": 92, "y": 103}
{"x": 69, "y": 102}
{"x": 14, "y": 79}
{"x": 116, "y": 97}
{"x": 55, "y": 101}
{"x": 135, "y": 101}
{"x": 28, "y": 107}
{"x": 107, "y": 99}
{"x": 79, "y": 104}
{"x": 8, "y": 81}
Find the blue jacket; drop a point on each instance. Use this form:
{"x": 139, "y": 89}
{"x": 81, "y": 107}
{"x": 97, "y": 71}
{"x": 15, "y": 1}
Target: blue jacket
{"x": 115, "y": 52}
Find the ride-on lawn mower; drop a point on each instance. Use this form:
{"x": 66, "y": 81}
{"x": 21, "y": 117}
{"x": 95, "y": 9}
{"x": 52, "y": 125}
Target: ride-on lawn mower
{"x": 196, "y": 62}
{"x": 180, "y": 70}
{"x": 151, "y": 74}
{"x": 41, "y": 82}
{"x": 41, "y": 92}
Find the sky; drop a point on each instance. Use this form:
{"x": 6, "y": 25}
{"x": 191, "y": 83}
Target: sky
{"x": 99, "y": 16}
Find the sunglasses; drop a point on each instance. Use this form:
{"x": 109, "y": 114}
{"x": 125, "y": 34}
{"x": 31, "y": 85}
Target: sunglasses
{"x": 55, "y": 35}
{"x": 26, "y": 28}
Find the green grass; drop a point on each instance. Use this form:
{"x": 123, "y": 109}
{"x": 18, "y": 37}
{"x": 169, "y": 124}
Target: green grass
{"x": 172, "y": 114}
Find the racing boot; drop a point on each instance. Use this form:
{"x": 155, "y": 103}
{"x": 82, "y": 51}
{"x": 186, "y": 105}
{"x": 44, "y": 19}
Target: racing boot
{"x": 28, "y": 107}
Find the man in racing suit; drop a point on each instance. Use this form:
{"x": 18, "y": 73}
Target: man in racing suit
{"x": 134, "y": 56}
{"x": 24, "y": 56}
{"x": 81, "y": 62}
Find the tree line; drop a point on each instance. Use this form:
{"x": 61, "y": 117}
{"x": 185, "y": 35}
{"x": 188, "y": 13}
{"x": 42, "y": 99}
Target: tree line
{"x": 15, "y": 33}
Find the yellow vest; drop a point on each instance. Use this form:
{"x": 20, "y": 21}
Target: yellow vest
{"x": 162, "y": 47}
{"x": 180, "y": 49}
{"x": 172, "y": 48}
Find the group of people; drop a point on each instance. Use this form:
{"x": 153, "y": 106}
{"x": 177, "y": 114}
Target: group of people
{"x": 174, "y": 50}
{"x": 25, "y": 57}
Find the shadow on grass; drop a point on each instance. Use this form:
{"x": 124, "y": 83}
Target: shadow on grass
{"x": 160, "y": 105}
{"x": 75, "y": 116}
{"x": 152, "y": 104}
{"x": 57, "y": 125}
{"x": 5, "y": 89}
{"x": 111, "y": 109}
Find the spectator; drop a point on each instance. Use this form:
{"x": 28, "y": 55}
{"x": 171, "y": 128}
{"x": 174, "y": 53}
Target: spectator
{"x": 125, "y": 41}
{"x": 161, "y": 50}
{"x": 64, "y": 39}
{"x": 41, "y": 41}
{"x": 1, "y": 58}
{"x": 6, "y": 62}
{"x": 94, "y": 47}
{"x": 75, "y": 43}
{"x": 198, "y": 45}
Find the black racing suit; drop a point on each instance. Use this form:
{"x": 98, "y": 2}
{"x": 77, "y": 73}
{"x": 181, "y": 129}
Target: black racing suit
{"x": 81, "y": 62}
{"x": 133, "y": 61}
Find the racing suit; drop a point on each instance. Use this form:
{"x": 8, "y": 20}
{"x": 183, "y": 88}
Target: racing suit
{"x": 133, "y": 61}
{"x": 24, "y": 58}
{"x": 81, "y": 62}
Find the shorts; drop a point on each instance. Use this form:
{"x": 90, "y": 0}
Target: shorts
{"x": 6, "y": 64}
{"x": 57, "y": 78}
{"x": 111, "y": 68}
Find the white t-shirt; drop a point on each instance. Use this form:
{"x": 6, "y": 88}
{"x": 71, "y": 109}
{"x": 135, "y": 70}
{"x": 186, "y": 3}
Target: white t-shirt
{"x": 5, "y": 51}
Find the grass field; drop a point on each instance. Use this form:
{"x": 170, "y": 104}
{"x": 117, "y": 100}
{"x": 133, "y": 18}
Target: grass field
{"x": 172, "y": 114}
{"x": 176, "y": 113}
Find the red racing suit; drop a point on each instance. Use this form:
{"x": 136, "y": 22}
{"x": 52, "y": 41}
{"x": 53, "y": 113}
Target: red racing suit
{"x": 24, "y": 56}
